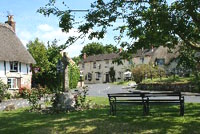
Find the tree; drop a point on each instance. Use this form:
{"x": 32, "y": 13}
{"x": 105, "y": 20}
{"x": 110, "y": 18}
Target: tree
{"x": 112, "y": 74}
{"x": 109, "y": 48}
{"x": 46, "y": 60}
{"x": 39, "y": 52}
{"x": 147, "y": 22}
{"x": 97, "y": 48}
{"x": 92, "y": 49}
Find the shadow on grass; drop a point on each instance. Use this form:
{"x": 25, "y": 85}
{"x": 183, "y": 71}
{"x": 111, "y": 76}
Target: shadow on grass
{"x": 161, "y": 120}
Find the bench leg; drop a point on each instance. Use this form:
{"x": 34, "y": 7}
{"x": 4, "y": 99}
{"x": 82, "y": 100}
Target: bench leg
{"x": 144, "y": 108}
{"x": 182, "y": 109}
{"x": 111, "y": 109}
{"x": 115, "y": 109}
{"x": 147, "y": 103}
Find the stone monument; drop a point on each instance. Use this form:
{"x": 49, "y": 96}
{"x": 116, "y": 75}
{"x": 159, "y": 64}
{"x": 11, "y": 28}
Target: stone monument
{"x": 65, "y": 100}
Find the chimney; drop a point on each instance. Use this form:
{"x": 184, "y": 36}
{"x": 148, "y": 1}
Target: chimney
{"x": 11, "y": 22}
{"x": 84, "y": 56}
{"x": 152, "y": 48}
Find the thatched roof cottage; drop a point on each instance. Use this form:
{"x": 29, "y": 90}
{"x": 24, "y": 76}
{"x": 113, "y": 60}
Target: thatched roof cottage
{"x": 15, "y": 60}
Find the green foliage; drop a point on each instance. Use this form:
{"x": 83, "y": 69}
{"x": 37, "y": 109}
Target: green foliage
{"x": 112, "y": 74}
{"x": 46, "y": 60}
{"x": 3, "y": 88}
{"x": 143, "y": 71}
{"x": 148, "y": 22}
{"x": 39, "y": 52}
{"x": 163, "y": 119}
{"x": 187, "y": 59}
{"x": 23, "y": 91}
{"x": 92, "y": 49}
{"x": 76, "y": 59}
{"x": 170, "y": 79}
{"x": 81, "y": 101}
{"x": 97, "y": 48}
{"x": 34, "y": 96}
{"x": 74, "y": 75}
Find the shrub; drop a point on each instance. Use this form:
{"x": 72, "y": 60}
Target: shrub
{"x": 74, "y": 75}
{"x": 23, "y": 92}
{"x": 143, "y": 71}
{"x": 3, "y": 88}
{"x": 34, "y": 97}
{"x": 81, "y": 103}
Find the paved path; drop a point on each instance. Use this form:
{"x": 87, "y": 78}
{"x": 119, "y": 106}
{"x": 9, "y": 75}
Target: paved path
{"x": 95, "y": 90}
{"x": 104, "y": 89}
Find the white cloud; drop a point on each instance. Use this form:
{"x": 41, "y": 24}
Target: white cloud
{"x": 47, "y": 33}
{"x": 44, "y": 27}
{"x": 25, "y": 35}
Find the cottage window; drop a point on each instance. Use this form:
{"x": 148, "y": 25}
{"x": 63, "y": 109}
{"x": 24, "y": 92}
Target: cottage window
{"x": 142, "y": 59}
{"x": 14, "y": 66}
{"x": 160, "y": 61}
{"x": 12, "y": 83}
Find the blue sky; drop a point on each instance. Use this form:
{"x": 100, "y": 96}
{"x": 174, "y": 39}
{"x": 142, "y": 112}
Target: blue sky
{"x": 30, "y": 24}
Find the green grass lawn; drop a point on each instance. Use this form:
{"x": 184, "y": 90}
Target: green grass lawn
{"x": 170, "y": 80}
{"x": 161, "y": 120}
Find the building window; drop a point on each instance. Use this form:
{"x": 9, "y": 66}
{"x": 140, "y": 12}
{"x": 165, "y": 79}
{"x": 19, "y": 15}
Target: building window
{"x": 14, "y": 66}
{"x": 94, "y": 64}
{"x": 12, "y": 83}
{"x": 106, "y": 63}
{"x": 160, "y": 62}
{"x": 99, "y": 66}
{"x": 98, "y": 75}
{"x": 89, "y": 76}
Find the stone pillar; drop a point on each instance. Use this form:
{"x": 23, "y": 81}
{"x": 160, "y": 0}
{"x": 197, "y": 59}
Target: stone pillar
{"x": 65, "y": 72}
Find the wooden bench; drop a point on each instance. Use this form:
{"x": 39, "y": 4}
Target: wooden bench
{"x": 162, "y": 98}
{"x": 146, "y": 99}
{"x": 116, "y": 99}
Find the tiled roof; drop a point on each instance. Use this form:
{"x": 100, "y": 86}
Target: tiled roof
{"x": 101, "y": 57}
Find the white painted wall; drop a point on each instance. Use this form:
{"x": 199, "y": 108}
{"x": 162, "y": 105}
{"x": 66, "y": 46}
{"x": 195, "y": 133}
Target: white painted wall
{"x": 2, "y": 71}
{"x": 23, "y": 68}
{"x": 25, "y": 77}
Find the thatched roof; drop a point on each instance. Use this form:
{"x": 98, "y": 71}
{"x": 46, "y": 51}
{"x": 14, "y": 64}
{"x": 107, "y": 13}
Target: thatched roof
{"x": 155, "y": 53}
{"x": 101, "y": 57}
{"x": 145, "y": 52}
{"x": 11, "y": 48}
{"x": 163, "y": 53}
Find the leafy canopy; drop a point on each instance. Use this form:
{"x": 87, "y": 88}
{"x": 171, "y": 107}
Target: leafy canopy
{"x": 146, "y": 22}
{"x": 97, "y": 48}
{"x": 46, "y": 60}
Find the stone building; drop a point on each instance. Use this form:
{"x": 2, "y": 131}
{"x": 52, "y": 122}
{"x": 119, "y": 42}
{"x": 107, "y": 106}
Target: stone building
{"x": 15, "y": 60}
{"x": 96, "y": 68}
